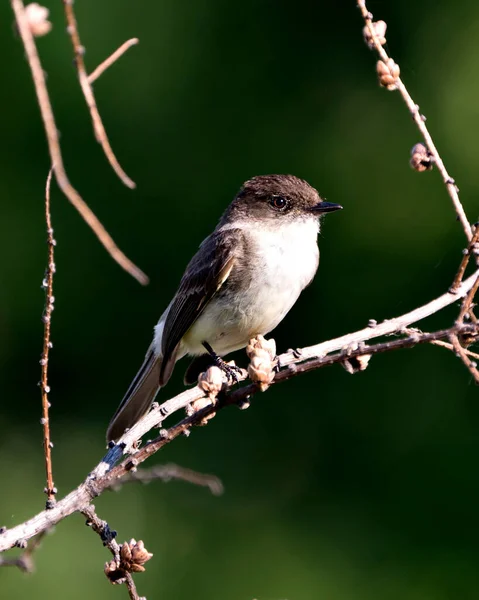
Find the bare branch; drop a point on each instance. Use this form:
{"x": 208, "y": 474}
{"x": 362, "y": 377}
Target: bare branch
{"x": 471, "y": 366}
{"x": 112, "y": 59}
{"x": 419, "y": 119}
{"x": 467, "y": 302}
{"x": 47, "y": 317}
{"x": 55, "y": 151}
{"x": 25, "y": 561}
{"x": 389, "y": 326}
{"x": 98, "y": 127}
{"x": 441, "y": 343}
{"x": 170, "y": 472}
{"x": 451, "y": 347}
{"x": 117, "y": 570}
{"x": 471, "y": 249}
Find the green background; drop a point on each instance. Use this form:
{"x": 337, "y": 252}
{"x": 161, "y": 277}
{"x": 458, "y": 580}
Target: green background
{"x": 336, "y": 487}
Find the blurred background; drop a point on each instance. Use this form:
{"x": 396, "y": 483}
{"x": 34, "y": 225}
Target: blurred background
{"x": 336, "y": 487}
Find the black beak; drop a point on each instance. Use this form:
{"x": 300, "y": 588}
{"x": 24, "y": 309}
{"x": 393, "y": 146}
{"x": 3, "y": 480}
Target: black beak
{"x": 325, "y": 207}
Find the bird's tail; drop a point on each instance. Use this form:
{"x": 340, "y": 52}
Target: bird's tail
{"x": 138, "y": 398}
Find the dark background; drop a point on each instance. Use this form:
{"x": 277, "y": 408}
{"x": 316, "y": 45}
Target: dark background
{"x": 336, "y": 487}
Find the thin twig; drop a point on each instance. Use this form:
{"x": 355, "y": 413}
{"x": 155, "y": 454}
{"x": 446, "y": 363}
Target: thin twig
{"x": 471, "y": 249}
{"x": 47, "y": 317}
{"x": 170, "y": 472}
{"x": 441, "y": 343}
{"x": 388, "y": 326}
{"x": 451, "y": 347}
{"x": 467, "y": 302}
{"x": 419, "y": 119}
{"x": 111, "y": 59}
{"x": 55, "y": 151}
{"x": 25, "y": 561}
{"x": 471, "y": 366}
{"x": 98, "y": 127}
{"x": 131, "y": 587}
{"x": 107, "y": 536}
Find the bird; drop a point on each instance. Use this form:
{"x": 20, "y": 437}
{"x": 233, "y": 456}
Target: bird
{"x": 241, "y": 283}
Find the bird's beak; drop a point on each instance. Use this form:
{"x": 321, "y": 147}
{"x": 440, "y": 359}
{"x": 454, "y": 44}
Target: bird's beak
{"x": 325, "y": 207}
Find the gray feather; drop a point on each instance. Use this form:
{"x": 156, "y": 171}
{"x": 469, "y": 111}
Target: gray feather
{"x": 138, "y": 398}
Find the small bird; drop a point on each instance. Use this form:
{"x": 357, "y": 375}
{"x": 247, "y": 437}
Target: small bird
{"x": 242, "y": 282}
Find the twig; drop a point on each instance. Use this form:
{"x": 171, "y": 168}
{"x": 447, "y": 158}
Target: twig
{"x": 471, "y": 249}
{"x": 419, "y": 119}
{"x": 107, "y": 536}
{"x": 25, "y": 562}
{"x": 389, "y": 326}
{"x": 467, "y": 302}
{"x": 131, "y": 587}
{"x": 168, "y": 472}
{"x": 47, "y": 317}
{"x": 451, "y": 347}
{"x": 471, "y": 366}
{"x": 87, "y": 90}
{"x": 55, "y": 151}
{"x": 111, "y": 59}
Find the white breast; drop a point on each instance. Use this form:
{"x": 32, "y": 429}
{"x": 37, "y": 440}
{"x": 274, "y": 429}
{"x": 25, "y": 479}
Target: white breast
{"x": 287, "y": 261}
{"x": 284, "y": 261}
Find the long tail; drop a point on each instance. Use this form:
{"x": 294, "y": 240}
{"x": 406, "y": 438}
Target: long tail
{"x": 138, "y": 398}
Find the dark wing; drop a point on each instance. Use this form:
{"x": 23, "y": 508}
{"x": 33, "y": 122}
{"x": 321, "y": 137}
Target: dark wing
{"x": 206, "y": 273}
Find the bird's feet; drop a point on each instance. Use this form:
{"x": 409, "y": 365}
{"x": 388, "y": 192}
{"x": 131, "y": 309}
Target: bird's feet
{"x": 231, "y": 371}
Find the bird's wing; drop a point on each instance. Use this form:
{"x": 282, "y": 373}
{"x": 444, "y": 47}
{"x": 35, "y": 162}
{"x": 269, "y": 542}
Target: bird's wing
{"x": 204, "y": 276}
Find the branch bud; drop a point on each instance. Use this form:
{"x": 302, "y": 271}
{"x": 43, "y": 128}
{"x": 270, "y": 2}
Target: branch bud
{"x": 357, "y": 363}
{"x": 379, "y": 28}
{"x": 37, "y": 17}
{"x": 421, "y": 158}
{"x": 262, "y": 354}
{"x": 260, "y": 343}
{"x": 211, "y": 381}
{"x": 388, "y": 73}
{"x": 133, "y": 555}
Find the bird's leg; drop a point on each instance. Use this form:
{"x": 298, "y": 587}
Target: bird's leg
{"x": 231, "y": 371}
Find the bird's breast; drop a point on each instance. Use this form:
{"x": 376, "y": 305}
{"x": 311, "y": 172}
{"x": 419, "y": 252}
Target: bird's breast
{"x": 268, "y": 276}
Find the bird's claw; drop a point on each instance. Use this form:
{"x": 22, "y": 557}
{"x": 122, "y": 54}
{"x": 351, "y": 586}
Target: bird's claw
{"x": 231, "y": 371}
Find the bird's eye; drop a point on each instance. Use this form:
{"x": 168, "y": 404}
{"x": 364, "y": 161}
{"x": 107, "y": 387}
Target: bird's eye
{"x": 278, "y": 202}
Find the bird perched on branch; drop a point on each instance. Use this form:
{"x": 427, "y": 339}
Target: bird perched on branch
{"x": 242, "y": 282}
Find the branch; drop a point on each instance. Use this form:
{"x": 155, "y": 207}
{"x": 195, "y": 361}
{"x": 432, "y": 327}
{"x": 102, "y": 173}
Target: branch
{"x": 419, "y": 119}
{"x": 467, "y": 252}
{"x": 25, "y": 561}
{"x": 467, "y": 302}
{"x": 388, "y": 326}
{"x": 85, "y": 84}
{"x": 463, "y": 355}
{"x": 127, "y": 557}
{"x": 169, "y": 472}
{"x": 50, "y": 490}
{"x": 111, "y": 59}
{"x": 451, "y": 347}
{"x": 51, "y": 132}
{"x": 291, "y": 364}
